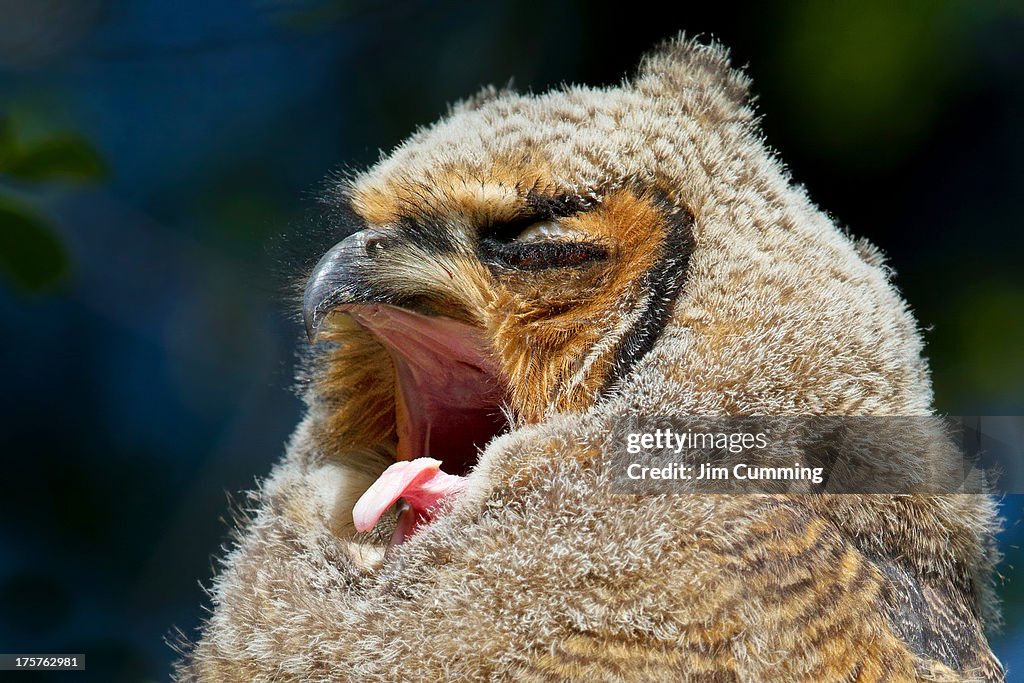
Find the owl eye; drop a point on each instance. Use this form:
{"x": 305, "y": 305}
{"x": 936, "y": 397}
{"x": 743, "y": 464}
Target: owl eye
{"x": 541, "y": 252}
{"x": 546, "y": 230}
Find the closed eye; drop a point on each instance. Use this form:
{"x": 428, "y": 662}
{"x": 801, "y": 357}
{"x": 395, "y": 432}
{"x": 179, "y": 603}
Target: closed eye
{"x": 542, "y": 245}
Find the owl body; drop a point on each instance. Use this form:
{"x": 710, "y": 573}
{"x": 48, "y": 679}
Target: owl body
{"x": 661, "y": 263}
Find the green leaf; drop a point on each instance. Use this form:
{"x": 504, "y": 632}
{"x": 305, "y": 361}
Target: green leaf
{"x": 31, "y": 254}
{"x": 64, "y": 156}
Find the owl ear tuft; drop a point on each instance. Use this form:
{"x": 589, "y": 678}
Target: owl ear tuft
{"x": 699, "y": 75}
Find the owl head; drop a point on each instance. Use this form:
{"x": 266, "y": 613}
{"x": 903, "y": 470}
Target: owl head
{"x": 529, "y": 255}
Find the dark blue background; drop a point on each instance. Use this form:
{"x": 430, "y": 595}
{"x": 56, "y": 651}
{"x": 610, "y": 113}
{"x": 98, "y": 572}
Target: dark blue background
{"x": 148, "y": 374}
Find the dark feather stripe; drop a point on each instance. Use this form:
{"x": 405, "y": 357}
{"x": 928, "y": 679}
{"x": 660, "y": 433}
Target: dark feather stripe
{"x": 935, "y": 623}
{"x": 664, "y": 282}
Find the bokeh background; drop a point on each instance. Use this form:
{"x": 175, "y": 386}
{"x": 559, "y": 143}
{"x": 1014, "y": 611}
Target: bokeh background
{"x": 151, "y": 153}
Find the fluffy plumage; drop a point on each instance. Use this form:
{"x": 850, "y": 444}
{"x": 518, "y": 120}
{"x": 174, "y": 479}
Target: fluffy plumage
{"x": 722, "y": 291}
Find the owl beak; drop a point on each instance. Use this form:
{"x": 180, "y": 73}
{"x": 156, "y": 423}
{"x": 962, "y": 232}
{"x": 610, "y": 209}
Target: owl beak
{"x": 342, "y": 276}
{"x": 448, "y": 388}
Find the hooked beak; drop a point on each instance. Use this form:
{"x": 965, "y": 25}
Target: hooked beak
{"x": 342, "y": 277}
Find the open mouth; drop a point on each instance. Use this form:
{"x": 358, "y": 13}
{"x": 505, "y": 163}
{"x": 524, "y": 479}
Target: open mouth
{"x": 448, "y": 397}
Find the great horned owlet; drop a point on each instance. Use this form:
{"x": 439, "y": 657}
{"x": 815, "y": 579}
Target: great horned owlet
{"x": 507, "y": 284}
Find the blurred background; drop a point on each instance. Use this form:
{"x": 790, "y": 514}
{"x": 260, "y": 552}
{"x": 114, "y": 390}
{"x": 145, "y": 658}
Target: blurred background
{"x": 151, "y": 153}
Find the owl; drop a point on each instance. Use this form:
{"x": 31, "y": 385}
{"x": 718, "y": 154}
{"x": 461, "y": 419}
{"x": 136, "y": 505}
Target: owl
{"x": 508, "y": 284}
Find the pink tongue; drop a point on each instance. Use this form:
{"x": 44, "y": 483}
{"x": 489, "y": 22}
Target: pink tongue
{"x": 420, "y": 482}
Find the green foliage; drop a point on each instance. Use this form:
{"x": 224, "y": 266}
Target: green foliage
{"x": 990, "y": 325}
{"x": 866, "y": 79}
{"x": 63, "y": 156}
{"x": 31, "y": 254}
{"x": 976, "y": 343}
